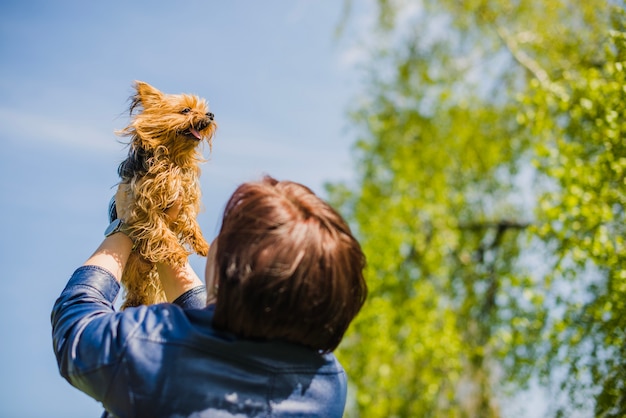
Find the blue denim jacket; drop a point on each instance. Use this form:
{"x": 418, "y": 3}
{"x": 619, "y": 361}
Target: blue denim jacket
{"x": 166, "y": 360}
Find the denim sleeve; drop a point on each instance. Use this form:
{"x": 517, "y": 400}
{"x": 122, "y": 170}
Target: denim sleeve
{"x": 192, "y": 299}
{"x": 90, "y": 339}
{"x": 88, "y": 335}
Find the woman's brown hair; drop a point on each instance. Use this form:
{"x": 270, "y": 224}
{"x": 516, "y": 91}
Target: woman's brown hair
{"x": 287, "y": 266}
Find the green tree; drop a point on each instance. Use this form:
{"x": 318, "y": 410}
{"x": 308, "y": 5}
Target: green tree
{"x": 581, "y": 148}
{"x": 463, "y": 98}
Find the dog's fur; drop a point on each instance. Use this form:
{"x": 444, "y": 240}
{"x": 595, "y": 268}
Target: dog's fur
{"x": 165, "y": 132}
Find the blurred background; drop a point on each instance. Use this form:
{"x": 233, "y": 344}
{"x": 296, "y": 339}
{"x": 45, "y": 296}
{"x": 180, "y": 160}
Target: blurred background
{"x": 477, "y": 149}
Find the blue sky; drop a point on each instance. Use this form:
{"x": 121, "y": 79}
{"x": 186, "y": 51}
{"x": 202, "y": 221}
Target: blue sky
{"x": 277, "y": 80}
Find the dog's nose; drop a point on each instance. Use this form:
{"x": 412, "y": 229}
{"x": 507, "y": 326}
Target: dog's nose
{"x": 210, "y": 115}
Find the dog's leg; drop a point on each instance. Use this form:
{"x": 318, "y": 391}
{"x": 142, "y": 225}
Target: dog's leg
{"x": 154, "y": 240}
{"x": 158, "y": 243}
{"x": 141, "y": 283}
{"x": 187, "y": 227}
{"x": 189, "y": 232}
{"x": 197, "y": 241}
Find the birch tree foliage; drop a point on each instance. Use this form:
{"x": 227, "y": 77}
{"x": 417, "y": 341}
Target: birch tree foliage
{"x": 463, "y": 101}
{"x": 579, "y": 123}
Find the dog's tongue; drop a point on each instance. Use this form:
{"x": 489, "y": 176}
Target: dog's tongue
{"x": 195, "y": 133}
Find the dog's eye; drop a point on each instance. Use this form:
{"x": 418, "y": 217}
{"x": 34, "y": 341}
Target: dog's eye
{"x": 185, "y": 110}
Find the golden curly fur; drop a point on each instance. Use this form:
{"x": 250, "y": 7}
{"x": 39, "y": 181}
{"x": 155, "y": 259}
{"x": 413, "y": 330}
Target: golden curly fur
{"x": 162, "y": 167}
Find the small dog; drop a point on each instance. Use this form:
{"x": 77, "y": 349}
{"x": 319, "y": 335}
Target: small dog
{"x": 162, "y": 168}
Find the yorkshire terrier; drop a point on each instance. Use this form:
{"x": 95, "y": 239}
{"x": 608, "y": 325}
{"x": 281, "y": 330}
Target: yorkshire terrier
{"x": 162, "y": 168}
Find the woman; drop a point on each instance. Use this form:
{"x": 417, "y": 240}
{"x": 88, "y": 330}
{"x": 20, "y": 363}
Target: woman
{"x": 285, "y": 279}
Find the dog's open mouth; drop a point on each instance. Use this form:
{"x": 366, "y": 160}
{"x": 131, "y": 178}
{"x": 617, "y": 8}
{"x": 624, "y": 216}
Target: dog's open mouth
{"x": 193, "y": 133}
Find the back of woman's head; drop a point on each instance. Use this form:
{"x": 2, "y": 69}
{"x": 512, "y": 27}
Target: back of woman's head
{"x": 287, "y": 266}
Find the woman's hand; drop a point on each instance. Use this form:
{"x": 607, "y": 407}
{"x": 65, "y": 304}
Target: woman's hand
{"x": 123, "y": 200}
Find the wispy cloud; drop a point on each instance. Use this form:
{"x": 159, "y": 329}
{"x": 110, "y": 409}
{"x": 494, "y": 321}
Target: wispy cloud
{"x": 18, "y": 125}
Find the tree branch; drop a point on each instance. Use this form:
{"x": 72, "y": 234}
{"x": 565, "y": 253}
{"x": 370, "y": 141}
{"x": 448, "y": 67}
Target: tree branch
{"x": 529, "y": 64}
{"x": 500, "y": 225}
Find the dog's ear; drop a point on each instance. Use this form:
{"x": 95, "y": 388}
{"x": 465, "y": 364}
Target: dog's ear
{"x": 146, "y": 96}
